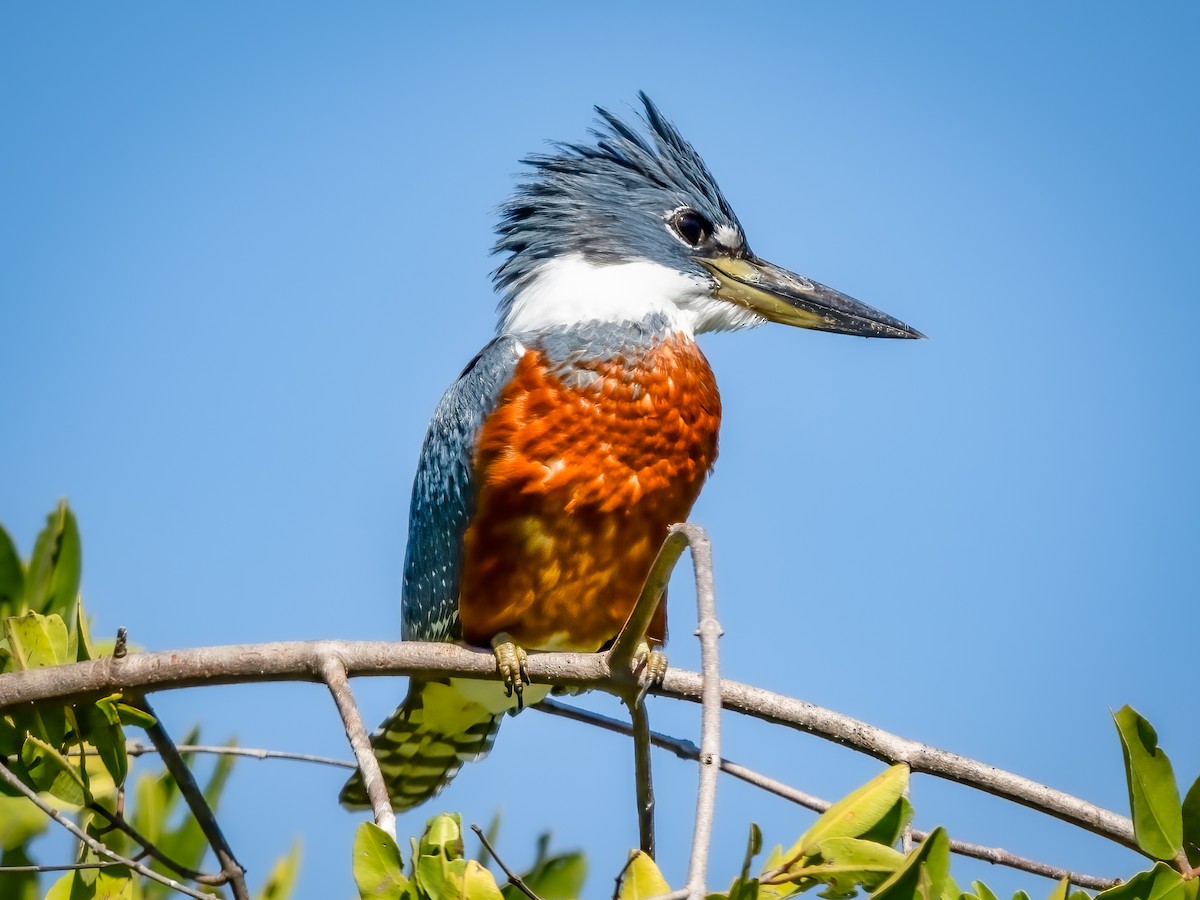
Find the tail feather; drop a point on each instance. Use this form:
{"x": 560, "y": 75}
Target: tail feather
{"x": 424, "y": 743}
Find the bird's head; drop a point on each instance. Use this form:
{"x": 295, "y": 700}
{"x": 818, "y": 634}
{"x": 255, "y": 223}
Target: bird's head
{"x": 634, "y": 225}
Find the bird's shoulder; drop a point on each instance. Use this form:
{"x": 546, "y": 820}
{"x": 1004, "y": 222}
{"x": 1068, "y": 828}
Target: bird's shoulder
{"x": 443, "y": 495}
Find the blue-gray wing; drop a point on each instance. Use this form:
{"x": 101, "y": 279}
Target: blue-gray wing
{"x": 443, "y": 497}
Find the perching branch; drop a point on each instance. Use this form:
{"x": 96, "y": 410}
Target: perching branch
{"x": 299, "y": 661}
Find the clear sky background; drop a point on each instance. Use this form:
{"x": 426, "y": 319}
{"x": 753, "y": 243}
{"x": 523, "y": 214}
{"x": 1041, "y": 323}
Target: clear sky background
{"x": 245, "y": 249}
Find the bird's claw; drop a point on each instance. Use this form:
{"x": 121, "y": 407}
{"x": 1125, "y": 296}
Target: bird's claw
{"x": 651, "y": 668}
{"x": 511, "y": 664}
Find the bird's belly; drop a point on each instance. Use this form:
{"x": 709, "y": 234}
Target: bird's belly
{"x": 579, "y": 482}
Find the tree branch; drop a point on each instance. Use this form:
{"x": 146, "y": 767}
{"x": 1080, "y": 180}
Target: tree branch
{"x": 633, "y": 633}
{"x": 709, "y": 631}
{"x": 685, "y": 749}
{"x": 234, "y": 874}
{"x": 96, "y": 846}
{"x": 333, "y": 672}
{"x": 137, "y": 748}
{"x": 298, "y": 661}
{"x": 891, "y": 748}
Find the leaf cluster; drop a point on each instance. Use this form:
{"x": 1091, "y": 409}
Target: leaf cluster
{"x": 439, "y": 870}
{"x": 74, "y": 755}
{"x": 852, "y": 846}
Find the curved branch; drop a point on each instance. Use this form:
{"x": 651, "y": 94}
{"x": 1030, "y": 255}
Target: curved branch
{"x": 891, "y": 748}
{"x": 300, "y": 661}
{"x": 688, "y": 750}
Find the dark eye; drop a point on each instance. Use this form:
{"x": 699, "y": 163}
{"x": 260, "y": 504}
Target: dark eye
{"x": 692, "y": 227}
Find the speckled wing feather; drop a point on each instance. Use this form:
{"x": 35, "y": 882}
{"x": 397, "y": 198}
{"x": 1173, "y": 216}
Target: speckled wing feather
{"x": 443, "y": 495}
{"x": 439, "y": 726}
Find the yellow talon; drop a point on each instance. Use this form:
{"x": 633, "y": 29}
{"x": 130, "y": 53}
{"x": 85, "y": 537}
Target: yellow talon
{"x": 511, "y": 664}
{"x": 651, "y": 667}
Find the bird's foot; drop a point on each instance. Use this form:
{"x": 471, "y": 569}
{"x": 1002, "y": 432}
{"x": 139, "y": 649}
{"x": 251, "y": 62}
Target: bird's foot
{"x": 510, "y": 663}
{"x": 650, "y": 667}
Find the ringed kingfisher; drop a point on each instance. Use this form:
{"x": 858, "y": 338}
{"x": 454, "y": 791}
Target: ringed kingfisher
{"x": 554, "y": 465}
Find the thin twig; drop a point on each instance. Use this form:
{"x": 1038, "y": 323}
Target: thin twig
{"x": 709, "y": 631}
{"x": 137, "y": 748}
{"x": 686, "y": 749}
{"x": 333, "y": 672}
{"x": 643, "y": 781}
{"x": 118, "y": 822}
{"x": 96, "y": 846}
{"x": 65, "y": 867}
{"x": 194, "y": 797}
{"x": 513, "y": 878}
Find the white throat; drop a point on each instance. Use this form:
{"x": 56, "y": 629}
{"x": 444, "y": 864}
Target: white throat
{"x": 571, "y": 290}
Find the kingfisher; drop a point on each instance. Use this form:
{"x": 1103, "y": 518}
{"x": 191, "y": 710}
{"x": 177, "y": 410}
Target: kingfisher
{"x": 554, "y": 465}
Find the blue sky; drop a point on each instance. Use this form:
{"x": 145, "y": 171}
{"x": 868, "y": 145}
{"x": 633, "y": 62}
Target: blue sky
{"x": 246, "y": 248}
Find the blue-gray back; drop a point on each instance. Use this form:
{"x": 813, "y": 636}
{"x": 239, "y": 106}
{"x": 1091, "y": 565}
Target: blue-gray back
{"x": 443, "y": 497}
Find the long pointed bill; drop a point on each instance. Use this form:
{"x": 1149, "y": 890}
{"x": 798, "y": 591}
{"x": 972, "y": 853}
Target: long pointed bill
{"x": 791, "y": 299}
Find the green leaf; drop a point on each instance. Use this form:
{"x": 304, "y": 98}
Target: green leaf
{"x": 102, "y": 729}
{"x": 854, "y": 861}
{"x": 1060, "y": 890}
{"x": 282, "y": 880}
{"x": 61, "y": 889}
{"x": 439, "y": 869}
{"x": 889, "y": 829}
{"x": 558, "y": 877}
{"x": 113, "y": 883}
{"x": 36, "y": 641}
{"x": 18, "y": 885}
{"x": 745, "y": 887}
{"x": 478, "y": 883}
{"x": 753, "y": 848}
{"x": 20, "y": 821}
{"x": 52, "y": 772}
{"x": 982, "y": 891}
{"x": 52, "y": 580}
{"x": 855, "y": 814}
{"x": 378, "y": 867}
{"x": 1191, "y": 824}
{"x": 923, "y": 876}
{"x": 443, "y": 837}
{"x": 81, "y": 638}
{"x": 551, "y": 876}
{"x": 151, "y": 806}
{"x": 1153, "y": 794}
{"x": 1160, "y": 883}
{"x": 642, "y": 879}
{"x": 132, "y": 716}
{"x": 12, "y": 578}
{"x": 842, "y": 864}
